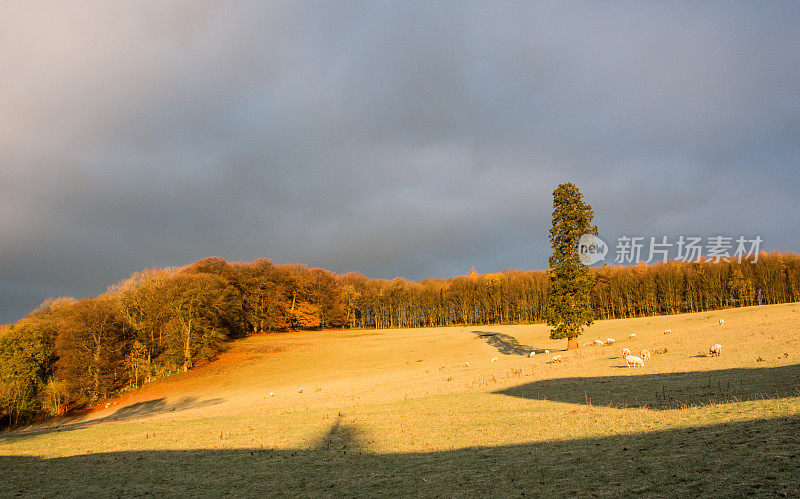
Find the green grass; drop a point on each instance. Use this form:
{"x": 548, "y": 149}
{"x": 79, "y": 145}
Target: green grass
{"x": 374, "y": 421}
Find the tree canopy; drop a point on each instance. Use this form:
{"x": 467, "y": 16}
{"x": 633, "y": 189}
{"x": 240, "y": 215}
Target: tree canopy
{"x": 569, "y": 306}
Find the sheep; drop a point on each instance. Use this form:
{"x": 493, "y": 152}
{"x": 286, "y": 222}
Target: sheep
{"x": 645, "y": 354}
{"x": 466, "y": 364}
{"x": 598, "y": 342}
{"x": 634, "y": 361}
{"x": 271, "y": 394}
{"x": 494, "y": 359}
{"x": 300, "y": 390}
{"x": 721, "y": 322}
{"x": 626, "y": 352}
{"x": 532, "y": 353}
{"x": 588, "y": 344}
{"x": 556, "y": 358}
{"x": 547, "y": 351}
{"x": 715, "y": 350}
{"x": 609, "y": 341}
{"x": 633, "y": 336}
{"x": 667, "y": 331}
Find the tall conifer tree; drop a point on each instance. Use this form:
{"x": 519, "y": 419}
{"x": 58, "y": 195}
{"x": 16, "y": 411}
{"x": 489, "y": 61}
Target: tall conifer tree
{"x": 569, "y": 306}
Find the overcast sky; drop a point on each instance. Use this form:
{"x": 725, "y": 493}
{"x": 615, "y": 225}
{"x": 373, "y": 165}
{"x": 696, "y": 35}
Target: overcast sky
{"x": 388, "y": 138}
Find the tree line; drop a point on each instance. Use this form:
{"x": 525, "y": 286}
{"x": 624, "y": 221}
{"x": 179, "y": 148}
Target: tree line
{"x": 72, "y": 353}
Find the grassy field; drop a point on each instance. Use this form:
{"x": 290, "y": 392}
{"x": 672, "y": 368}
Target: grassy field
{"x": 395, "y": 412}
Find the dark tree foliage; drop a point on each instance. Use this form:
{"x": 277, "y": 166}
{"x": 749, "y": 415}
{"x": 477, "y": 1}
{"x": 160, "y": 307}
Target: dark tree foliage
{"x": 569, "y": 306}
{"x": 27, "y": 357}
{"x": 91, "y": 350}
{"x": 264, "y": 288}
{"x": 198, "y": 307}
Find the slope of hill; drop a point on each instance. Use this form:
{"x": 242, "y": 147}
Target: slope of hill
{"x": 427, "y": 411}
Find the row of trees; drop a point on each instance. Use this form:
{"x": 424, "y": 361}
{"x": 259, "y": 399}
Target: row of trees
{"x": 514, "y": 296}
{"x": 69, "y": 353}
{"x": 677, "y": 287}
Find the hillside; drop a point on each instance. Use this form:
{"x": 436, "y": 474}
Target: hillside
{"x": 401, "y": 408}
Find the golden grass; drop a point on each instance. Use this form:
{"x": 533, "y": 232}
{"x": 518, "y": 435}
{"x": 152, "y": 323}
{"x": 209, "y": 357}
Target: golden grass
{"x": 398, "y": 411}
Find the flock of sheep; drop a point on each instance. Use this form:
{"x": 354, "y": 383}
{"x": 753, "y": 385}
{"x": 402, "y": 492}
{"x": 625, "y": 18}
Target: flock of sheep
{"x": 631, "y": 360}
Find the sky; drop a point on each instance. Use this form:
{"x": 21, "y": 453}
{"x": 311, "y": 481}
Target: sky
{"x": 417, "y": 139}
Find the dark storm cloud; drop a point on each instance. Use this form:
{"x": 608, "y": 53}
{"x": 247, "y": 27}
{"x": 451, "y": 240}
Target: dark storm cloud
{"x": 416, "y": 139}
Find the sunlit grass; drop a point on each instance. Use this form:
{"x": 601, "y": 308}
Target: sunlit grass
{"x": 399, "y": 411}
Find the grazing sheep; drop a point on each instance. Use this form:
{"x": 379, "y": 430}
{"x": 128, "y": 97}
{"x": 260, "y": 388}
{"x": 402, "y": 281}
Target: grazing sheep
{"x": 532, "y": 354}
{"x": 588, "y": 344}
{"x": 299, "y": 390}
{"x": 556, "y": 358}
{"x": 715, "y": 350}
{"x": 633, "y": 336}
{"x": 626, "y": 352}
{"x": 466, "y": 364}
{"x": 667, "y": 331}
{"x": 645, "y": 354}
{"x": 634, "y": 361}
{"x": 721, "y": 322}
{"x": 494, "y": 359}
{"x": 547, "y": 351}
{"x": 598, "y": 342}
{"x": 271, "y": 394}
{"x": 609, "y": 341}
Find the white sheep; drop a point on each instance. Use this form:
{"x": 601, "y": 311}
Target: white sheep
{"x": 626, "y": 352}
{"x": 598, "y": 342}
{"x": 300, "y": 390}
{"x": 556, "y": 358}
{"x": 610, "y": 340}
{"x": 547, "y": 351}
{"x": 633, "y": 336}
{"x": 645, "y": 354}
{"x": 634, "y": 361}
{"x": 715, "y": 350}
{"x": 532, "y": 353}
{"x": 271, "y": 394}
{"x": 466, "y": 364}
{"x": 721, "y": 322}
{"x": 494, "y": 359}
{"x": 667, "y": 331}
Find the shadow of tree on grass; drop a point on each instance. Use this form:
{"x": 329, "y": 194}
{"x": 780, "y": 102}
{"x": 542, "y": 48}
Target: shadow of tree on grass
{"x": 129, "y": 412}
{"x": 731, "y": 459}
{"x": 341, "y": 437}
{"x": 506, "y": 344}
{"x": 668, "y": 390}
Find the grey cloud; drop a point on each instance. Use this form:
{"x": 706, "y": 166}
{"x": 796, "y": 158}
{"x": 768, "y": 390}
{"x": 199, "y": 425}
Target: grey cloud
{"x": 416, "y": 139}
